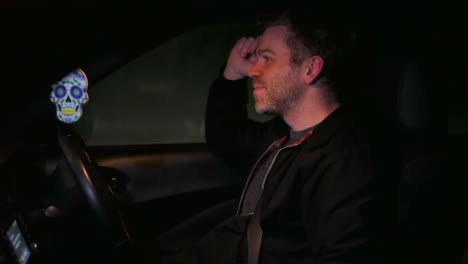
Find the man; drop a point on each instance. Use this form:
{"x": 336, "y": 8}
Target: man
{"x": 313, "y": 194}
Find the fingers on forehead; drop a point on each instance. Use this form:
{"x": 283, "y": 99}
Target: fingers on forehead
{"x": 252, "y": 45}
{"x": 241, "y": 42}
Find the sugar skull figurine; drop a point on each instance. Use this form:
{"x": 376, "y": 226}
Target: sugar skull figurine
{"x": 69, "y": 95}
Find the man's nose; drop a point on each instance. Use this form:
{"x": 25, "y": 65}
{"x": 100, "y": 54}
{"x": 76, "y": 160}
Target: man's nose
{"x": 254, "y": 72}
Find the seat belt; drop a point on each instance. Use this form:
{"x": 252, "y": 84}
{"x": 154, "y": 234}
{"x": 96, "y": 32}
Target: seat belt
{"x": 254, "y": 231}
{"x": 254, "y": 235}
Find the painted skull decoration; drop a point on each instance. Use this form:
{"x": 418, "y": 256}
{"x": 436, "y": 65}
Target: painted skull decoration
{"x": 69, "y": 95}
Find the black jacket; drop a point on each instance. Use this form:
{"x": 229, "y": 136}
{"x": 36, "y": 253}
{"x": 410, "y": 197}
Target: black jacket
{"x": 324, "y": 201}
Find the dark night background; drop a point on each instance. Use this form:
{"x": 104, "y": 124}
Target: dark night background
{"x": 39, "y": 46}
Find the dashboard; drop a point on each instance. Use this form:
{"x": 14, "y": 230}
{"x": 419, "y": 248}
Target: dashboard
{"x": 39, "y": 208}
{"x": 14, "y": 247}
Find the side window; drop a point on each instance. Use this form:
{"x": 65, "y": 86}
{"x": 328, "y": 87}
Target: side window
{"x": 160, "y": 97}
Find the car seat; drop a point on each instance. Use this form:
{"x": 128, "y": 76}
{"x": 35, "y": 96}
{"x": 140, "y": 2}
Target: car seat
{"x": 431, "y": 205}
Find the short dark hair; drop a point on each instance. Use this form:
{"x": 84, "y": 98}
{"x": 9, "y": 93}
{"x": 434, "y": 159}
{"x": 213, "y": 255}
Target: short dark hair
{"x": 323, "y": 34}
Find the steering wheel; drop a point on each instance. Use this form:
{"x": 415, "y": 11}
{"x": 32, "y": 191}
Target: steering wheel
{"x": 97, "y": 192}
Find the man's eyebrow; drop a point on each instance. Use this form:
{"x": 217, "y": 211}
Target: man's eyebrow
{"x": 261, "y": 51}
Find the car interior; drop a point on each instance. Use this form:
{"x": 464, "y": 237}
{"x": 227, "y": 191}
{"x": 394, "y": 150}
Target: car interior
{"x": 135, "y": 170}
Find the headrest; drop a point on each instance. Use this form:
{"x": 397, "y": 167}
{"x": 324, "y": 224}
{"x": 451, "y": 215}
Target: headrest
{"x": 407, "y": 97}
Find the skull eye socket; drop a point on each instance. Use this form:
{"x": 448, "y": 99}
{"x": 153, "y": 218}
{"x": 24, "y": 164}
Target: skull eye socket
{"x": 60, "y": 91}
{"x": 76, "y": 92}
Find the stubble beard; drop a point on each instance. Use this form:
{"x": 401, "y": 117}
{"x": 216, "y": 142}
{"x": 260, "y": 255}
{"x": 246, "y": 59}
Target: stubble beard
{"x": 281, "y": 96}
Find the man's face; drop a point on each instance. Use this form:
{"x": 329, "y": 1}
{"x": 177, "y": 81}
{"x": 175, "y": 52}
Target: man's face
{"x": 277, "y": 87}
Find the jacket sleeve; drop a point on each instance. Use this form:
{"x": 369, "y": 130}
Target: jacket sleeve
{"x": 228, "y": 131}
{"x": 351, "y": 210}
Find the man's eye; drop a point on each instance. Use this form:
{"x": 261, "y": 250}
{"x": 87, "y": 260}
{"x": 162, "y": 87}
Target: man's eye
{"x": 266, "y": 58}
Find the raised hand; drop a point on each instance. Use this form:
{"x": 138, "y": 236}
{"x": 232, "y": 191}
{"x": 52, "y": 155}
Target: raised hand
{"x": 241, "y": 59}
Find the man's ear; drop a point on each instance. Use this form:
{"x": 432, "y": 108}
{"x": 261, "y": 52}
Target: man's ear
{"x": 313, "y": 66}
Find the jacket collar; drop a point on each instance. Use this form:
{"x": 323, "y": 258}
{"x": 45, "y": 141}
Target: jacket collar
{"x": 337, "y": 121}
{"x": 333, "y": 123}
{"x": 280, "y": 141}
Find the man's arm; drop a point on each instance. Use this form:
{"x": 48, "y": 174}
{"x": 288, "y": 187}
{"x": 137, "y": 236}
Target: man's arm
{"x": 228, "y": 130}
